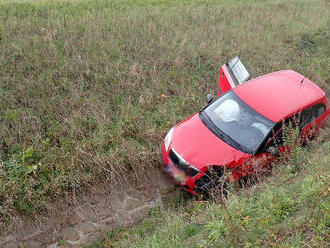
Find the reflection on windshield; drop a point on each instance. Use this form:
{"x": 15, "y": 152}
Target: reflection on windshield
{"x": 230, "y": 117}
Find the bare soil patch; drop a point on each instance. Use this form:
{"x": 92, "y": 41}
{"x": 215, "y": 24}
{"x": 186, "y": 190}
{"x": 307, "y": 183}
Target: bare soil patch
{"x": 101, "y": 210}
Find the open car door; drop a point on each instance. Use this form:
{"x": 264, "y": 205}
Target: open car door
{"x": 232, "y": 74}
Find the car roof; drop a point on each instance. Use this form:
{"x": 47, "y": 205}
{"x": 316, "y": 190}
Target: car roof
{"x": 279, "y": 94}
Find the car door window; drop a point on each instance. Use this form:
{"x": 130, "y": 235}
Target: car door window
{"x": 305, "y": 118}
{"x": 269, "y": 139}
{"x": 285, "y": 133}
{"x": 277, "y": 140}
{"x": 309, "y": 115}
{"x": 319, "y": 109}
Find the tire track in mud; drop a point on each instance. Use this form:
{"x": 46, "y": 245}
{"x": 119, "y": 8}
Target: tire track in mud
{"x": 95, "y": 213}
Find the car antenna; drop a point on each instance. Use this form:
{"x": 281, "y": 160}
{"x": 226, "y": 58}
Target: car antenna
{"x": 302, "y": 80}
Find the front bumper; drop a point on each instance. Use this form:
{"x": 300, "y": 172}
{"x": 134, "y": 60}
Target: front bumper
{"x": 179, "y": 176}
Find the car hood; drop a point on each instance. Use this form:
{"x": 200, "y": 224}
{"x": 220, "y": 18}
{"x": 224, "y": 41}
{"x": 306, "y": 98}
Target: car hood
{"x": 200, "y": 147}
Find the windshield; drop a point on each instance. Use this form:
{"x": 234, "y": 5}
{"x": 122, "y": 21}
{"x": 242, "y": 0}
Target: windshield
{"x": 236, "y": 123}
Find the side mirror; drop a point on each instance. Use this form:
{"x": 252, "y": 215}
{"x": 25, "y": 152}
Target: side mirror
{"x": 273, "y": 150}
{"x": 209, "y": 98}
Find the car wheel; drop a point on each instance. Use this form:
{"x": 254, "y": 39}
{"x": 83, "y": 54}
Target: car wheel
{"x": 212, "y": 184}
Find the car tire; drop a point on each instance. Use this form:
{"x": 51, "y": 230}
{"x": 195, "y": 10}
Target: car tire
{"x": 213, "y": 184}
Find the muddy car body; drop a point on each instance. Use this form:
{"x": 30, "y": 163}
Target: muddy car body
{"x": 243, "y": 129}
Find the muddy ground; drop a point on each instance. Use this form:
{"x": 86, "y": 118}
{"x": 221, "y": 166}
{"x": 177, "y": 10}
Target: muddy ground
{"x": 101, "y": 210}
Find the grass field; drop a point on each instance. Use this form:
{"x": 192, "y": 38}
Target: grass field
{"x": 89, "y": 88}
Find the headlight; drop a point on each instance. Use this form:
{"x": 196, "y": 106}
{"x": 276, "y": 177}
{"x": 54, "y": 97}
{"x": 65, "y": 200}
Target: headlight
{"x": 168, "y": 138}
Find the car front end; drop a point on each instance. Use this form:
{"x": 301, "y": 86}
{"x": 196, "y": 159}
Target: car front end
{"x": 190, "y": 149}
{"x": 183, "y": 173}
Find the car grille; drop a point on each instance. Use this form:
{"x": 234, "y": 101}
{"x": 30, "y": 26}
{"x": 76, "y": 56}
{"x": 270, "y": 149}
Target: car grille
{"x": 182, "y": 165}
{"x": 174, "y": 157}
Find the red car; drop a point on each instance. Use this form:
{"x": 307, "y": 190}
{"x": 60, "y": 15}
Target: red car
{"x": 243, "y": 129}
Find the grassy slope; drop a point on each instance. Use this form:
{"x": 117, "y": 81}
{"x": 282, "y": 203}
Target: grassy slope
{"x": 89, "y": 88}
{"x": 289, "y": 209}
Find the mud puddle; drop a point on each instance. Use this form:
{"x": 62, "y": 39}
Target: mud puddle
{"x": 95, "y": 213}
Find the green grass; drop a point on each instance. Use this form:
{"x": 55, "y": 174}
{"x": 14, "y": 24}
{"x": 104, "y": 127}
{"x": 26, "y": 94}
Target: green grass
{"x": 89, "y": 88}
{"x": 289, "y": 209}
